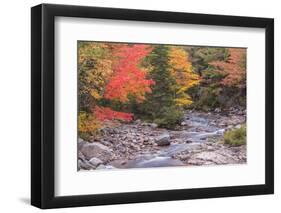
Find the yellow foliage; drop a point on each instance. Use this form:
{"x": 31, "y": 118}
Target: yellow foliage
{"x": 87, "y": 123}
{"x": 183, "y": 102}
{"x": 183, "y": 99}
{"x": 95, "y": 64}
{"x": 95, "y": 94}
{"x": 181, "y": 69}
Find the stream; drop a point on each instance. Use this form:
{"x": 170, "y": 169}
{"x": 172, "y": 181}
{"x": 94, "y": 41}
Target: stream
{"x": 198, "y": 129}
{"x": 196, "y": 141}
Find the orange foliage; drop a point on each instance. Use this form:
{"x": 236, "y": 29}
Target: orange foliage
{"x": 233, "y": 68}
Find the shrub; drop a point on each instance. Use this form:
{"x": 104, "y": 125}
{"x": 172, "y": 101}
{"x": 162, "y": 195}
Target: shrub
{"x": 236, "y": 137}
{"x": 169, "y": 117}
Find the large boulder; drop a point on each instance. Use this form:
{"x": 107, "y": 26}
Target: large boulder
{"x": 163, "y": 140}
{"x": 218, "y": 157}
{"x": 97, "y": 150}
{"x": 81, "y": 143}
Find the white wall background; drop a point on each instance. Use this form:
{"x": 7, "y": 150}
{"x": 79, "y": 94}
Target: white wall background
{"x": 15, "y": 105}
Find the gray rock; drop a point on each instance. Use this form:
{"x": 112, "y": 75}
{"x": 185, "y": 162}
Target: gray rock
{"x": 218, "y": 157}
{"x": 183, "y": 157}
{"x": 101, "y": 167}
{"x": 109, "y": 167}
{"x": 90, "y": 150}
{"x": 95, "y": 162}
{"x": 138, "y": 121}
{"x": 153, "y": 125}
{"x": 84, "y": 165}
{"x": 81, "y": 156}
{"x": 105, "y": 167}
{"x": 163, "y": 140}
{"x": 183, "y": 123}
{"x": 217, "y": 110}
{"x": 81, "y": 143}
{"x": 238, "y": 126}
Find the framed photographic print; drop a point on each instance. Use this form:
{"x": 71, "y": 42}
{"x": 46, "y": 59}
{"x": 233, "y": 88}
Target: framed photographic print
{"x": 140, "y": 106}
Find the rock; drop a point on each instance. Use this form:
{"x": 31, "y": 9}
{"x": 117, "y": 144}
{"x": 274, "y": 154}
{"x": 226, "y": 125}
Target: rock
{"x": 138, "y": 121}
{"x": 90, "y": 150}
{"x": 84, "y": 165}
{"x": 145, "y": 142}
{"x": 109, "y": 167}
{"x": 153, "y": 125}
{"x": 101, "y": 167}
{"x": 81, "y": 156}
{"x": 81, "y": 143}
{"x": 123, "y": 162}
{"x": 210, "y": 148}
{"x": 95, "y": 162}
{"x": 106, "y": 143}
{"x": 238, "y": 126}
{"x": 163, "y": 140}
{"x": 223, "y": 156}
{"x": 184, "y": 157}
{"x": 194, "y": 146}
{"x": 183, "y": 123}
{"x": 217, "y": 110}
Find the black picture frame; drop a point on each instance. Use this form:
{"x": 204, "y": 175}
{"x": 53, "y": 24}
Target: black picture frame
{"x": 43, "y": 102}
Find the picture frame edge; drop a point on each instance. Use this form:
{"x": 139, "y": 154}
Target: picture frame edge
{"x": 42, "y": 117}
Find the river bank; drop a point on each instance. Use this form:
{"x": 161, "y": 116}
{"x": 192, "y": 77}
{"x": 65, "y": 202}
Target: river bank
{"x": 197, "y": 141}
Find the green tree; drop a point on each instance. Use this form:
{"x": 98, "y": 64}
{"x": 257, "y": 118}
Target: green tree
{"x": 160, "y": 105}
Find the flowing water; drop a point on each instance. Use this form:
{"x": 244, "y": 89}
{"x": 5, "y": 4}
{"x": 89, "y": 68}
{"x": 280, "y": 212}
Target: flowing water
{"x": 198, "y": 128}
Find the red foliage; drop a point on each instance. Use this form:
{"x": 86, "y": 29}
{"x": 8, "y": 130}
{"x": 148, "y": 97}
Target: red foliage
{"x": 128, "y": 78}
{"x": 106, "y": 114}
{"x": 233, "y": 68}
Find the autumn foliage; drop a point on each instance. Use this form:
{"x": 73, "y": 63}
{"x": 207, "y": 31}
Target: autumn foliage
{"x": 128, "y": 78}
{"x": 119, "y": 82}
{"x": 234, "y": 68}
{"x": 181, "y": 69}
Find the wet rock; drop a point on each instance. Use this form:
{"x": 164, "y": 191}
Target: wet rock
{"x": 109, "y": 167}
{"x": 184, "y": 157}
{"x": 84, "y": 165}
{"x": 95, "y": 162}
{"x": 163, "y": 140}
{"x": 90, "y": 150}
{"x": 101, "y": 167}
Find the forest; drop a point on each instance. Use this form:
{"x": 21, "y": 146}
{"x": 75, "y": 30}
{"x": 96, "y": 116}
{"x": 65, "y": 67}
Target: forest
{"x": 143, "y": 95}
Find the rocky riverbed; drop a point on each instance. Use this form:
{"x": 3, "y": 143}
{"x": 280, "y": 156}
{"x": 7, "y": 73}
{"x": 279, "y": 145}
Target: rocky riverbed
{"x": 197, "y": 141}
